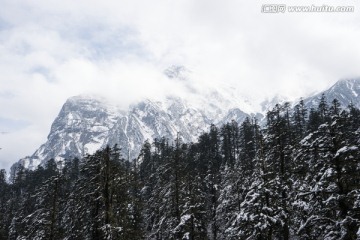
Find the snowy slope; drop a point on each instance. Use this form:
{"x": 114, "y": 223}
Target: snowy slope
{"x": 346, "y": 91}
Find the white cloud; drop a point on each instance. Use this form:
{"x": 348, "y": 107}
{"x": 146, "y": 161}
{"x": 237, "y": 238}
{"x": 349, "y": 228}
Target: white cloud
{"x": 51, "y": 50}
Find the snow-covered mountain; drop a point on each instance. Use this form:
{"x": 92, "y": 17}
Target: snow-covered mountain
{"x": 81, "y": 127}
{"x": 346, "y": 91}
{"x": 87, "y": 123}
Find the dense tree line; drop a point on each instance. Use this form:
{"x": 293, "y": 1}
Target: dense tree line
{"x": 298, "y": 177}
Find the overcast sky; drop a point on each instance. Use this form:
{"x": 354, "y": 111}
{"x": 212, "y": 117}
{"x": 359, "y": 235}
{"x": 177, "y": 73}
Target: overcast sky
{"x": 51, "y": 50}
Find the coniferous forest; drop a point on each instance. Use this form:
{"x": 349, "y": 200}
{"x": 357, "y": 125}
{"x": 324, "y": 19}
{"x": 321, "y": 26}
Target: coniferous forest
{"x": 298, "y": 177}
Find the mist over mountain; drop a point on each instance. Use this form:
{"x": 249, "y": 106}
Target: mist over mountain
{"x": 87, "y": 123}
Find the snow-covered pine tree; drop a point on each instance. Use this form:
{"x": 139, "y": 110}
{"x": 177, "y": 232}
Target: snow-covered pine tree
{"x": 103, "y": 198}
{"x": 278, "y": 168}
{"x": 44, "y": 221}
{"x": 325, "y": 195}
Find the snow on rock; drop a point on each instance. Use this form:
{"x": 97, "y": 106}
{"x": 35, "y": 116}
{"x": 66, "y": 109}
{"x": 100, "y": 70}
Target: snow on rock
{"x": 345, "y": 149}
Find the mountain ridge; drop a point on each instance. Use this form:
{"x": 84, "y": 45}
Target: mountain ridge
{"x": 87, "y": 123}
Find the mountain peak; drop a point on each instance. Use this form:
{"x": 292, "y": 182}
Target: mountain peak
{"x": 177, "y": 72}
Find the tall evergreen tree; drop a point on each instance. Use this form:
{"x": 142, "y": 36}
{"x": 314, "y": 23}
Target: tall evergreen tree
{"x": 278, "y": 142}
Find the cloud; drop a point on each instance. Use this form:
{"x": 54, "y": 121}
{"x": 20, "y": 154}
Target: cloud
{"x": 51, "y": 50}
